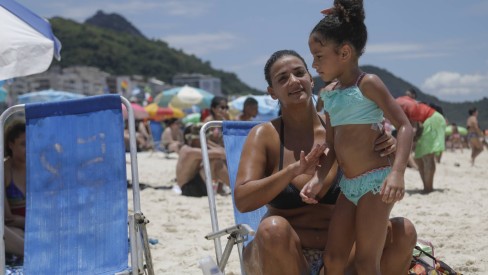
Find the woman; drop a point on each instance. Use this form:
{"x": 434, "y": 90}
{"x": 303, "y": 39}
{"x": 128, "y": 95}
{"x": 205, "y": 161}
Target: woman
{"x": 292, "y": 236}
{"x": 475, "y": 135}
{"x": 219, "y": 110}
{"x": 15, "y": 187}
{"x": 431, "y": 137}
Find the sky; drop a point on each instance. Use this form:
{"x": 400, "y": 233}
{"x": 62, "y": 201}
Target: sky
{"x": 439, "y": 46}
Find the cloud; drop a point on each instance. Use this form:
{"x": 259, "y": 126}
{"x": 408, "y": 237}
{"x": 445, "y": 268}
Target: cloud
{"x": 456, "y": 87}
{"x": 202, "y": 43}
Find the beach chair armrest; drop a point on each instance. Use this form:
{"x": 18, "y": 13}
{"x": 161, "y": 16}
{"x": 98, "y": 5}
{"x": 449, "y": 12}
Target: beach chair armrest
{"x": 236, "y": 230}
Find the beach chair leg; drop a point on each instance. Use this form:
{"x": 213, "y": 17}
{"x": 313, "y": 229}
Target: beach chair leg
{"x": 142, "y": 221}
{"x": 226, "y": 253}
{"x": 240, "y": 247}
{"x": 133, "y": 246}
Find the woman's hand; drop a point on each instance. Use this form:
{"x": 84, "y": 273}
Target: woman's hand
{"x": 386, "y": 144}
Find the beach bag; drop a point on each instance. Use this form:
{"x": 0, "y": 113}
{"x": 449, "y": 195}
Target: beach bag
{"x": 424, "y": 262}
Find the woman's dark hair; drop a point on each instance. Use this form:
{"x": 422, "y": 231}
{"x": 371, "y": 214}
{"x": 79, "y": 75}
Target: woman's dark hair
{"x": 13, "y": 131}
{"x": 170, "y": 121}
{"x": 344, "y": 24}
{"x": 215, "y": 102}
{"x": 274, "y": 57}
{"x": 471, "y": 111}
{"x": 412, "y": 91}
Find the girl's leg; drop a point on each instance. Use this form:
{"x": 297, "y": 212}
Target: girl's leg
{"x": 276, "y": 249}
{"x": 340, "y": 237}
{"x": 371, "y": 228}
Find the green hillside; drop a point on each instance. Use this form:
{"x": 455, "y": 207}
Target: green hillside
{"x": 121, "y": 53}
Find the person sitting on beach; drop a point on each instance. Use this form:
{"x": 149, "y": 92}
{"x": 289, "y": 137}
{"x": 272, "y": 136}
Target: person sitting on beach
{"x": 15, "y": 187}
{"x": 143, "y": 141}
{"x": 292, "y": 235}
{"x": 172, "y": 136}
{"x": 249, "y": 110}
{"x": 475, "y": 135}
{"x": 190, "y": 173}
{"x": 430, "y": 137}
{"x": 219, "y": 110}
{"x": 354, "y": 104}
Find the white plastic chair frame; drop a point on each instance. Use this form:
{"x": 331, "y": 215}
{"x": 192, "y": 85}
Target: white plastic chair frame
{"x": 237, "y": 233}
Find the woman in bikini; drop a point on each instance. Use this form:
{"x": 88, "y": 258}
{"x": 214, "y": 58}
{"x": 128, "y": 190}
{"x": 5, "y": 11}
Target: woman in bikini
{"x": 355, "y": 104}
{"x": 15, "y": 187}
{"x": 475, "y": 135}
{"x": 293, "y": 235}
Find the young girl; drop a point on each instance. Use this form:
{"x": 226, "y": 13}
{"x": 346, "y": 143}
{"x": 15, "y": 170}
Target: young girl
{"x": 355, "y": 104}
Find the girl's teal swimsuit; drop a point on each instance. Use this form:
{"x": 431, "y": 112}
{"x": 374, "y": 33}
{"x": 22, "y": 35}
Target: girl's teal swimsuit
{"x": 350, "y": 106}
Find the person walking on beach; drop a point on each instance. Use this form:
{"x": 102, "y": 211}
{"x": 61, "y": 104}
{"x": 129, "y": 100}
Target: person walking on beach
{"x": 430, "y": 137}
{"x": 355, "y": 104}
{"x": 475, "y": 135}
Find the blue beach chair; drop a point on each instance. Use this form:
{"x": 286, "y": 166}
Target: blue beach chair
{"x": 234, "y": 134}
{"x": 77, "y": 216}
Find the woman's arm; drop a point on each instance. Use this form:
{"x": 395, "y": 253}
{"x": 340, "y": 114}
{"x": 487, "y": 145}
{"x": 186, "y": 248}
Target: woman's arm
{"x": 11, "y": 219}
{"x": 255, "y": 186}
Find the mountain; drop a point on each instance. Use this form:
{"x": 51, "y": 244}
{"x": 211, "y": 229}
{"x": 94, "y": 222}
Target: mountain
{"x": 112, "y": 44}
{"x": 113, "y": 22}
{"x": 125, "y": 51}
{"x": 453, "y": 112}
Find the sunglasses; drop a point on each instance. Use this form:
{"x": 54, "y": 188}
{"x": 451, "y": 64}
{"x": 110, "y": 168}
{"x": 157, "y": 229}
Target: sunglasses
{"x": 224, "y": 107}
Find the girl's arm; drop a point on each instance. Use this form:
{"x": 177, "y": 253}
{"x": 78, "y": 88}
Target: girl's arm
{"x": 256, "y": 184}
{"x": 374, "y": 89}
{"x": 312, "y": 188}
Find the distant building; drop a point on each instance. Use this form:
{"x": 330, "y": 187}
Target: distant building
{"x": 78, "y": 79}
{"x": 92, "y": 81}
{"x": 206, "y": 82}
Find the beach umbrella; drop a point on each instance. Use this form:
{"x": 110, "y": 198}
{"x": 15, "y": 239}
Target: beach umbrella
{"x": 28, "y": 44}
{"x": 139, "y": 111}
{"x": 191, "y": 118}
{"x": 268, "y": 107}
{"x": 462, "y": 131}
{"x": 158, "y": 113}
{"x": 47, "y": 96}
{"x": 184, "y": 97}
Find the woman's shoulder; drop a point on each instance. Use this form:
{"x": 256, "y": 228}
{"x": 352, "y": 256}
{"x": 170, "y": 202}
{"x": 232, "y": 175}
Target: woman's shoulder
{"x": 264, "y": 131}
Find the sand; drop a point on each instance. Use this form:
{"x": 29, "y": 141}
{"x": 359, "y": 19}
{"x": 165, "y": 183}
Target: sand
{"x": 454, "y": 217}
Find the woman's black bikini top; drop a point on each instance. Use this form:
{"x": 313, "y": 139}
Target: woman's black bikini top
{"x": 290, "y": 198}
